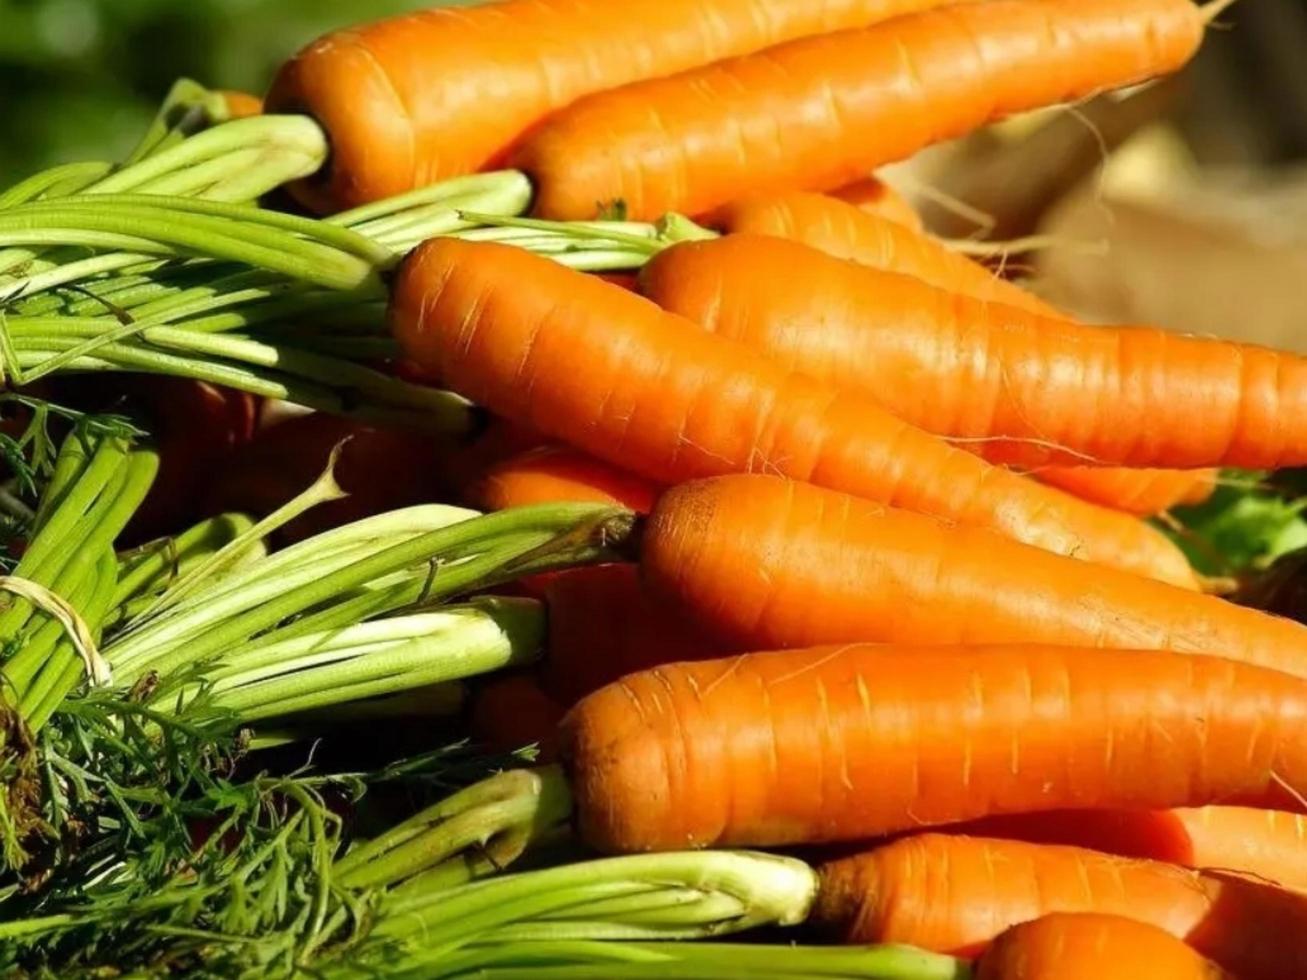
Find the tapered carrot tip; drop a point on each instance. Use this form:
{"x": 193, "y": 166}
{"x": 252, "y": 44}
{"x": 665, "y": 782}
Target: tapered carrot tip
{"x": 1090, "y": 946}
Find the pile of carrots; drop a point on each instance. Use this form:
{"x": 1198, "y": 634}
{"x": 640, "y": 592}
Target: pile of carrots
{"x": 894, "y": 599}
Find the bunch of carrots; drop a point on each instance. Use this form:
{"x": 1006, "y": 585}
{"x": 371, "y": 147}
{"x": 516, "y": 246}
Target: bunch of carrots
{"x": 879, "y": 579}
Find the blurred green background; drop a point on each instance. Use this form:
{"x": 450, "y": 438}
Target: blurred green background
{"x": 79, "y": 79}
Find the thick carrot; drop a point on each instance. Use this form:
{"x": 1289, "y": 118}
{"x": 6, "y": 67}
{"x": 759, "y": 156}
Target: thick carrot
{"x": 764, "y": 563}
{"x": 591, "y": 364}
{"x": 844, "y": 231}
{"x": 437, "y": 93}
{"x": 850, "y": 742}
{"x": 1144, "y": 492}
{"x": 874, "y": 196}
{"x": 958, "y": 894}
{"x": 1017, "y": 387}
{"x": 1270, "y": 845}
{"x": 512, "y": 712}
{"x": 1092, "y": 946}
{"x": 816, "y": 113}
{"x": 554, "y": 473}
{"x": 603, "y": 625}
{"x": 241, "y": 104}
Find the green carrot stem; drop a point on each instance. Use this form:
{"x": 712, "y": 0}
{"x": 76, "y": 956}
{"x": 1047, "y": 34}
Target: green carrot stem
{"x": 589, "y": 522}
{"x": 67, "y": 175}
{"x": 158, "y": 564}
{"x": 69, "y": 464}
{"x": 247, "y": 219}
{"x": 336, "y": 545}
{"x": 458, "y": 578}
{"x": 520, "y": 803}
{"x": 154, "y": 230}
{"x": 290, "y": 132}
{"x": 70, "y": 272}
{"x": 38, "y": 642}
{"x": 50, "y": 544}
{"x": 739, "y": 890}
{"x": 708, "y": 961}
{"x": 104, "y": 522}
{"x": 188, "y": 108}
{"x": 506, "y": 182}
{"x": 64, "y": 666}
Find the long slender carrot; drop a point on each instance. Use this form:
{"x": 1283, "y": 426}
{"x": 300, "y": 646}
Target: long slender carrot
{"x": 438, "y": 93}
{"x": 874, "y": 196}
{"x": 554, "y": 473}
{"x": 591, "y": 364}
{"x": 1092, "y": 946}
{"x": 1270, "y": 845}
{"x": 1144, "y": 492}
{"x": 603, "y": 625}
{"x": 958, "y": 894}
{"x": 843, "y": 743}
{"x": 843, "y": 231}
{"x": 764, "y": 563}
{"x": 1015, "y": 386}
{"x": 816, "y": 113}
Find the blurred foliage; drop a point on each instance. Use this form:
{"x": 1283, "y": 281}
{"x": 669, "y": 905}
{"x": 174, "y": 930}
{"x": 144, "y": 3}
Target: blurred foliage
{"x": 79, "y": 79}
{"x": 1248, "y": 523}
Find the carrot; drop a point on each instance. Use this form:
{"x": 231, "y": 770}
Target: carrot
{"x": 1144, "y": 492}
{"x": 553, "y": 474}
{"x": 1264, "y": 844}
{"x": 240, "y": 105}
{"x": 1090, "y": 946}
{"x": 762, "y": 563}
{"x": 843, "y": 743}
{"x": 512, "y": 712}
{"x": 591, "y": 364}
{"x": 603, "y": 625}
{"x": 844, "y": 231}
{"x": 1016, "y": 387}
{"x": 438, "y": 93}
{"x": 958, "y": 894}
{"x": 874, "y": 196}
{"x": 816, "y": 113}
{"x": 380, "y": 469}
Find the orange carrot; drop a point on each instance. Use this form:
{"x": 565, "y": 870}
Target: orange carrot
{"x": 603, "y": 625}
{"x": 380, "y": 469}
{"x": 241, "y": 104}
{"x": 958, "y": 894}
{"x": 511, "y": 712}
{"x": 591, "y": 364}
{"x": 438, "y": 93}
{"x": 763, "y": 563}
{"x": 1092, "y": 946}
{"x": 850, "y": 742}
{"x": 1270, "y": 845}
{"x": 874, "y": 196}
{"x": 554, "y": 473}
{"x": 816, "y": 113}
{"x": 1144, "y": 492}
{"x": 844, "y": 231}
{"x": 1012, "y": 385}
